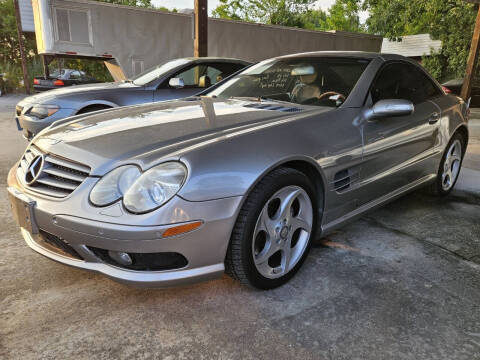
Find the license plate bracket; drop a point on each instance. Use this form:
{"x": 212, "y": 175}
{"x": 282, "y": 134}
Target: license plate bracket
{"x": 17, "y": 121}
{"x": 22, "y": 209}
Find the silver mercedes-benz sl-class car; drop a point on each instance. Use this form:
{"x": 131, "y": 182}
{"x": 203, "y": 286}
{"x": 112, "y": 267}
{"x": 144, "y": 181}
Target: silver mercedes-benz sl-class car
{"x": 174, "y": 79}
{"x": 242, "y": 178}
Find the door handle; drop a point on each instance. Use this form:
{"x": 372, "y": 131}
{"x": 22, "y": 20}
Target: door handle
{"x": 433, "y": 119}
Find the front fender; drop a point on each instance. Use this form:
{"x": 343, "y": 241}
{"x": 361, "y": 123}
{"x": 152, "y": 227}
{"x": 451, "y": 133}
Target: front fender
{"x": 235, "y": 180}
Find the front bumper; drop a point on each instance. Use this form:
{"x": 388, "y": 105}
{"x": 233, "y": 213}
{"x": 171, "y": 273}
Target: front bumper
{"x": 204, "y": 248}
{"x": 149, "y": 279}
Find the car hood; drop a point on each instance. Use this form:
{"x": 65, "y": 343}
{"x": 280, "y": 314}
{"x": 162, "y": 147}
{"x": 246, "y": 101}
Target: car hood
{"x": 45, "y": 97}
{"x": 145, "y": 134}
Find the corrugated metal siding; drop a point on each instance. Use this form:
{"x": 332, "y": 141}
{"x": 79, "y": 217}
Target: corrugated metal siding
{"x": 129, "y": 34}
{"x": 412, "y": 45}
{"x": 26, "y": 15}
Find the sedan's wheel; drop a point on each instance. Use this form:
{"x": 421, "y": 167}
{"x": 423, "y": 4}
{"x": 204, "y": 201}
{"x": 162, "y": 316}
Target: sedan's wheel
{"x": 449, "y": 166}
{"x": 272, "y": 235}
{"x": 282, "y": 232}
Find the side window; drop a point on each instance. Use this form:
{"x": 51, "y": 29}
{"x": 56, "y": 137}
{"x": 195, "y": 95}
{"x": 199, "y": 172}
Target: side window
{"x": 214, "y": 75}
{"x": 192, "y": 76}
{"x": 75, "y": 75}
{"x": 223, "y": 70}
{"x": 201, "y": 76}
{"x": 403, "y": 81}
{"x": 428, "y": 89}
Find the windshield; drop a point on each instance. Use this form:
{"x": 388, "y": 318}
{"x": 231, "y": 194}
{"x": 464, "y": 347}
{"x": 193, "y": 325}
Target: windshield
{"x": 157, "y": 71}
{"x": 57, "y": 73}
{"x": 322, "y": 81}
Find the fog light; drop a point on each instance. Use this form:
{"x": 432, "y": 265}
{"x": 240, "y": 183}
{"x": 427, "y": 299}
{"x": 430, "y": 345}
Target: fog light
{"x": 120, "y": 257}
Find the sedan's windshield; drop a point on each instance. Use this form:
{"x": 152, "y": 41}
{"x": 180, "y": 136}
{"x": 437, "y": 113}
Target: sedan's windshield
{"x": 157, "y": 71}
{"x": 323, "y": 81}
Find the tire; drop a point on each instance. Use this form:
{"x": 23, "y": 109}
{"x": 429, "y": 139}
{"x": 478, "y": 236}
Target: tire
{"x": 454, "y": 153}
{"x": 267, "y": 247}
{"x": 93, "y": 108}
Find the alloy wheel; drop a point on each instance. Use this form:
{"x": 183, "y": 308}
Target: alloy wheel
{"x": 451, "y": 165}
{"x": 282, "y": 232}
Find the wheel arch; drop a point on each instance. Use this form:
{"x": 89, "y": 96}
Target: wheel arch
{"x": 92, "y": 104}
{"x": 306, "y": 165}
{"x": 463, "y": 130}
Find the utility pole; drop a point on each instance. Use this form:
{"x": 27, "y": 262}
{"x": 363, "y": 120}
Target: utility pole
{"x": 26, "y": 80}
{"x": 200, "y": 46}
{"x": 472, "y": 57}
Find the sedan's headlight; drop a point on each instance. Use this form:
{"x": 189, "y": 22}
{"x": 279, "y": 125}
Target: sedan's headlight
{"x": 43, "y": 111}
{"x": 155, "y": 187}
{"x": 114, "y": 185}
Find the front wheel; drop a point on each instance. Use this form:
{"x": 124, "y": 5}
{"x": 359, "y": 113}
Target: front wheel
{"x": 449, "y": 168}
{"x": 272, "y": 235}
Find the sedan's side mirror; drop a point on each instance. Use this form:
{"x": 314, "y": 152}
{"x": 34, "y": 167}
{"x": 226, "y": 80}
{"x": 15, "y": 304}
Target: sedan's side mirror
{"x": 176, "y": 83}
{"x": 390, "y": 108}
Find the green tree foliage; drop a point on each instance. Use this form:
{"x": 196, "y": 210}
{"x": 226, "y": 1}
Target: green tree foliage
{"x": 279, "y": 12}
{"x": 139, "y": 3}
{"x": 343, "y": 15}
{"x": 9, "y": 48}
{"x": 10, "y": 60}
{"x": 450, "y": 21}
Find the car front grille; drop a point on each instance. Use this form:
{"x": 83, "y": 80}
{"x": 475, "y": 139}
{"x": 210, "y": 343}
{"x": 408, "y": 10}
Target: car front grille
{"x": 58, "y": 177}
{"x": 58, "y": 245}
{"x": 18, "y": 110}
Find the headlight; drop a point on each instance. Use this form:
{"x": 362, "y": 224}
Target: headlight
{"x": 114, "y": 185}
{"x": 155, "y": 187}
{"x": 43, "y": 111}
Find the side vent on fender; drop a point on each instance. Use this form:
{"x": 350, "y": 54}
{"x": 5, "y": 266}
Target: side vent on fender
{"x": 342, "y": 180}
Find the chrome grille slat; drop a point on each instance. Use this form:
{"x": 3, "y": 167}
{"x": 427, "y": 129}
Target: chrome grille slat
{"x": 67, "y": 164}
{"x": 29, "y": 156}
{"x": 56, "y": 183}
{"x": 35, "y": 150}
{"x": 64, "y": 174}
{"x": 56, "y": 193}
{"x": 58, "y": 177}
{"x": 23, "y": 165}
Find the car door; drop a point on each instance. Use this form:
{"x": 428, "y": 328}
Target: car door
{"x": 196, "y": 78}
{"x": 398, "y": 150}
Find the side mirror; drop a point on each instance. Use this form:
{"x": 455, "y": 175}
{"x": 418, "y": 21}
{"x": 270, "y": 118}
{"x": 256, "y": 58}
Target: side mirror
{"x": 176, "y": 83}
{"x": 391, "y": 108}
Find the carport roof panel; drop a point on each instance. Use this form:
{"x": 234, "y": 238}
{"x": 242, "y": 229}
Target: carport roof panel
{"x": 412, "y": 45}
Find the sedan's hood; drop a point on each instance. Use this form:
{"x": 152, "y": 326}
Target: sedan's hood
{"x": 45, "y": 97}
{"x": 144, "y": 134}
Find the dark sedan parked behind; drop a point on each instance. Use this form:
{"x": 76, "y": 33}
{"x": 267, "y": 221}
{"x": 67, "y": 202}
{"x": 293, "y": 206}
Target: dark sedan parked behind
{"x": 62, "y": 78}
{"x": 455, "y": 87}
{"x": 173, "y": 80}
